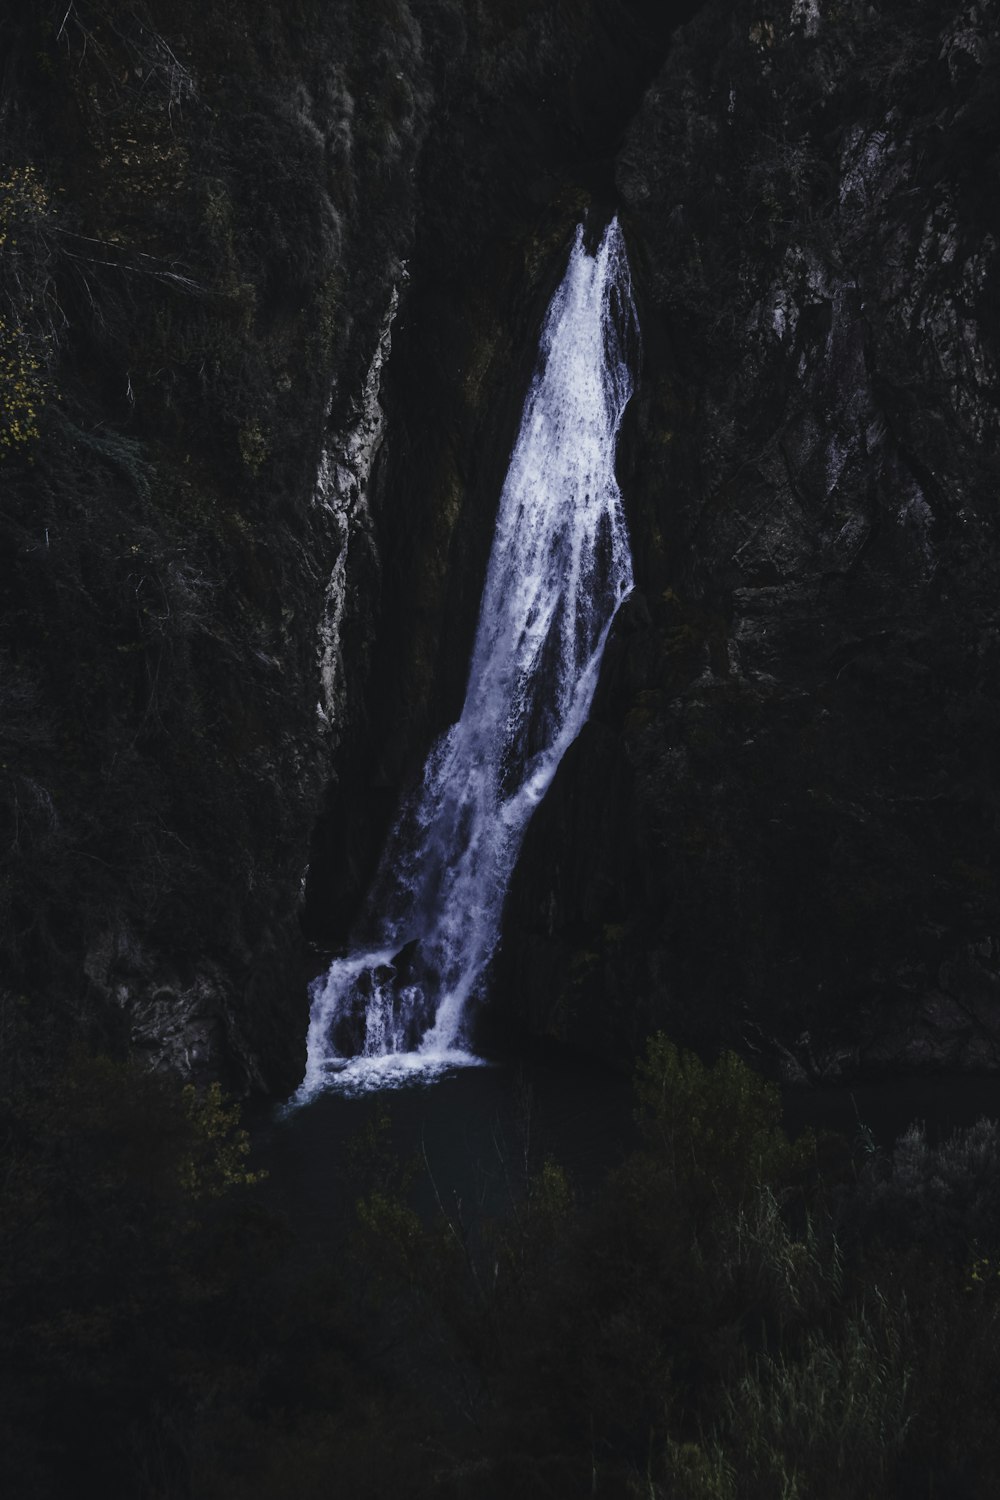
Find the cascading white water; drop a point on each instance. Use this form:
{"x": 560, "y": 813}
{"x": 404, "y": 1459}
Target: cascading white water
{"x": 559, "y": 568}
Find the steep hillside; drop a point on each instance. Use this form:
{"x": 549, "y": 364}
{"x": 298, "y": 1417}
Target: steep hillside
{"x": 781, "y": 827}
{"x": 211, "y": 629}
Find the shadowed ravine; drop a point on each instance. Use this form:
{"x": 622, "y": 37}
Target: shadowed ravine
{"x": 397, "y": 1004}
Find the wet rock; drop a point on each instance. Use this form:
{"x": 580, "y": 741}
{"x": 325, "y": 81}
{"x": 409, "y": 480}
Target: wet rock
{"x": 805, "y": 734}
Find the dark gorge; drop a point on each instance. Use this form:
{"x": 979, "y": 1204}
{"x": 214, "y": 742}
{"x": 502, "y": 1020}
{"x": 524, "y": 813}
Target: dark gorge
{"x": 273, "y": 281}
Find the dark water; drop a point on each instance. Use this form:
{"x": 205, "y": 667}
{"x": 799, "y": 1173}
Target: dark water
{"x": 475, "y": 1133}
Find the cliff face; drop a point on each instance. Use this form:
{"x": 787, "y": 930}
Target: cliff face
{"x": 230, "y": 601}
{"x": 270, "y": 300}
{"x": 780, "y": 830}
{"x": 195, "y": 275}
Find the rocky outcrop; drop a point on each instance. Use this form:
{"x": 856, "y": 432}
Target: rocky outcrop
{"x": 196, "y": 273}
{"x": 229, "y": 603}
{"x": 780, "y": 831}
{"x": 270, "y": 298}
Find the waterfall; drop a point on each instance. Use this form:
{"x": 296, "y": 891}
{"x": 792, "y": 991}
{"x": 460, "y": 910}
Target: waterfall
{"x": 398, "y": 1005}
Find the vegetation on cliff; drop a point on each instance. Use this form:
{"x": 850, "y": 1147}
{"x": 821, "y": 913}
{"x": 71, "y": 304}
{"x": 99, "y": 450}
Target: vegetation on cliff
{"x": 192, "y": 267}
{"x": 728, "y": 1315}
{"x": 798, "y": 726}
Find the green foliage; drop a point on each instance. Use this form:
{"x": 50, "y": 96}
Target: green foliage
{"x": 254, "y": 446}
{"x": 698, "y": 1471}
{"x": 131, "y": 1258}
{"x": 946, "y": 1193}
{"x": 22, "y": 388}
{"x": 389, "y": 1241}
{"x": 829, "y": 1421}
{"x": 25, "y": 213}
{"x": 717, "y": 1126}
{"x": 217, "y": 1159}
{"x": 659, "y": 1337}
{"x": 697, "y": 1330}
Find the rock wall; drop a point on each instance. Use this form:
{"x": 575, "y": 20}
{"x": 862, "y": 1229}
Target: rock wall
{"x": 196, "y": 272}
{"x": 780, "y": 831}
{"x": 230, "y": 602}
{"x": 269, "y": 299}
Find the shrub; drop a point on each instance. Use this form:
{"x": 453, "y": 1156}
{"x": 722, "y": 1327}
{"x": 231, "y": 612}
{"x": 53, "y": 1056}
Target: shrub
{"x": 946, "y": 1194}
{"x": 717, "y": 1125}
{"x": 829, "y": 1422}
{"x": 24, "y": 252}
{"x": 130, "y": 1275}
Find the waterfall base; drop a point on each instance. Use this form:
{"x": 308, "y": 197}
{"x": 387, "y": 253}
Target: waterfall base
{"x": 353, "y": 1076}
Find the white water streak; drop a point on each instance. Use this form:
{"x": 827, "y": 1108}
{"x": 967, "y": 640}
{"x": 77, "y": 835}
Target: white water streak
{"x": 559, "y": 568}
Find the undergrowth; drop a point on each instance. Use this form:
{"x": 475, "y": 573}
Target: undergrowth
{"x": 729, "y": 1315}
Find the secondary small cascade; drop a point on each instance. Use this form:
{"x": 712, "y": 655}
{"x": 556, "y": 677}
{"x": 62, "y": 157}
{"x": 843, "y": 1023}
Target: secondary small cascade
{"x": 397, "y": 1006}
